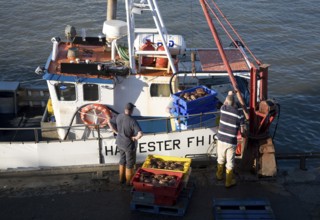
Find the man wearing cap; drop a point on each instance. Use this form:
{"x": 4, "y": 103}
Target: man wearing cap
{"x": 230, "y": 122}
{"x": 128, "y": 132}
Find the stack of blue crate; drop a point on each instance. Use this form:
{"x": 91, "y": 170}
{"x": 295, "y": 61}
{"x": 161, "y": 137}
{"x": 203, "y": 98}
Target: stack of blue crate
{"x": 194, "y": 112}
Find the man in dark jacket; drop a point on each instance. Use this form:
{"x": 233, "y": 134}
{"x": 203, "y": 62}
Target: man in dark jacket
{"x": 230, "y": 122}
{"x": 128, "y": 132}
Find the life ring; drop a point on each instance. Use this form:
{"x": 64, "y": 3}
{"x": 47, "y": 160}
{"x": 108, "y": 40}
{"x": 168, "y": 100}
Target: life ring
{"x": 95, "y": 114}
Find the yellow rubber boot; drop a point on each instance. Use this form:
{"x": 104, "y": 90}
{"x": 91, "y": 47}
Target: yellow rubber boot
{"x": 230, "y": 181}
{"x": 129, "y": 175}
{"x": 219, "y": 173}
{"x": 122, "y": 170}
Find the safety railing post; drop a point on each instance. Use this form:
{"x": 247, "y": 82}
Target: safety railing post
{"x": 101, "y": 160}
{"x": 36, "y": 136}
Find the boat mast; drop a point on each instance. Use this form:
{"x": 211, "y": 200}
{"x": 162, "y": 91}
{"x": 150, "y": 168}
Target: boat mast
{"x": 224, "y": 58}
{"x": 111, "y": 10}
{"x": 136, "y": 8}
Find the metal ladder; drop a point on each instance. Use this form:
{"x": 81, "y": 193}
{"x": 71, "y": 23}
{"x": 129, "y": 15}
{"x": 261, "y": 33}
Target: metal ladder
{"x": 134, "y": 8}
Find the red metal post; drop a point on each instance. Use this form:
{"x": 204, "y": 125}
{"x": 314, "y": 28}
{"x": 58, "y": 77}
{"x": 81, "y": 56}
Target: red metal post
{"x": 253, "y": 99}
{"x": 224, "y": 58}
{"x": 264, "y": 82}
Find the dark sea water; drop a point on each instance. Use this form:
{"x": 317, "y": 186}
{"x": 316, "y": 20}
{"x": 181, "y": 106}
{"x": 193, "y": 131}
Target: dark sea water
{"x": 283, "y": 33}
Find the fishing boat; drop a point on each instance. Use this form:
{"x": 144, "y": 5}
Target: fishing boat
{"x": 90, "y": 80}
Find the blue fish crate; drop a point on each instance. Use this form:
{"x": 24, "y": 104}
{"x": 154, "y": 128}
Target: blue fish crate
{"x": 188, "y": 106}
{"x": 208, "y": 107}
{"x": 198, "y": 119}
{"x": 194, "y": 121}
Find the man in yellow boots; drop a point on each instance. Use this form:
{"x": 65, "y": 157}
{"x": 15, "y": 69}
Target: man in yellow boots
{"x": 230, "y": 122}
{"x": 128, "y": 132}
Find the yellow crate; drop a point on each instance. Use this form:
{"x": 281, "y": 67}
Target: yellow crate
{"x": 187, "y": 162}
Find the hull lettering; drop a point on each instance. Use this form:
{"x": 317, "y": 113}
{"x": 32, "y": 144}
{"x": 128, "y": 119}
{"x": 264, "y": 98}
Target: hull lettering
{"x": 175, "y": 144}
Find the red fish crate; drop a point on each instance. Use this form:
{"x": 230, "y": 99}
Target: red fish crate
{"x": 171, "y": 190}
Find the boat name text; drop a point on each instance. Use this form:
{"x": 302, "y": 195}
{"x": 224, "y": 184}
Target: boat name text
{"x": 164, "y": 145}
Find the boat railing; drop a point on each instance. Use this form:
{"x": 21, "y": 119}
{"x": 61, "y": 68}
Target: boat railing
{"x": 49, "y": 131}
{"x": 178, "y": 123}
{"x": 300, "y": 156}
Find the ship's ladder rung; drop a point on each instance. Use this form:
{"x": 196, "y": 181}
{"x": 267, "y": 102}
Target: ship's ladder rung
{"x": 152, "y": 5}
{"x": 150, "y": 52}
{"x": 146, "y": 30}
{"x": 141, "y": 5}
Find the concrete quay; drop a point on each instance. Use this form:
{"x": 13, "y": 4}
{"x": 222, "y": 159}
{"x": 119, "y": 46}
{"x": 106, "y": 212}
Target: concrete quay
{"x": 293, "y": 194}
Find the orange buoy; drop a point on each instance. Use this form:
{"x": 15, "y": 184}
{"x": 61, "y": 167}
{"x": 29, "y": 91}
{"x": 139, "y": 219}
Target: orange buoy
{"x": 161, "y": 62}
{"x": 147, "y": 61}
{"x": 94, "y": 114}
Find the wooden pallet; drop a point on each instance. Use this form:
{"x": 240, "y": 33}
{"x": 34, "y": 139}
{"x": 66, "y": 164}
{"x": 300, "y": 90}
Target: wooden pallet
{"x": 242, "y": 209}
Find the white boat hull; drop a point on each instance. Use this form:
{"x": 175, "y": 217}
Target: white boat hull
{"x": 87, "y": 152}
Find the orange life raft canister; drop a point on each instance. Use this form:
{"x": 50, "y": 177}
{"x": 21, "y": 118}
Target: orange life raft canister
{"x": 147, "y": 61}
{"x": 95, "y": 114}
{"x": 161, "y": 62}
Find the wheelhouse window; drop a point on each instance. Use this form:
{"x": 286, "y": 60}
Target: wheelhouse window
{"x": 65, "y": 91}
{"x": 90, "y": 92}
{"x": 159, "y": 90}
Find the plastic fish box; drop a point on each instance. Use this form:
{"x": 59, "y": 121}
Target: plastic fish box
{"x": 157, "y": 190}
{"x": 194, "y": 122}
{"x": 209, "y": 107}
{"x": 209, "y": 98}
{"x": 186, "y": 161}
{"x": 196, "y": 119}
